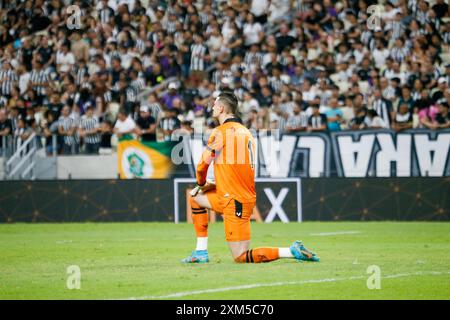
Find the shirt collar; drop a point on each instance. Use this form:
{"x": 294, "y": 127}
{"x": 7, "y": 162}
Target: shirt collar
{"x": 235, "y": 119}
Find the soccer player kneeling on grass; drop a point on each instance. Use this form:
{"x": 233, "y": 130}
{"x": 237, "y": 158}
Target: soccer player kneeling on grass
{"x": 232, "y": 148}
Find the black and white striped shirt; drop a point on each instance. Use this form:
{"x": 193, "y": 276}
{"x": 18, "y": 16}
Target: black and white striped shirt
{"x": 297, "y": 121}
{"x": 253, "y": 58}
{"x": 169, "y": 124}
{"x": 397, "y": 29}
{"x": 415, "y": 95}
{"x": 40, "y": 77}
{"x": 317, "y": 121}
{"x": 138, "y": 85}
{"x": 140, "y": 45}
{"x": 399, "y": 54}
{"x": 365, "y": 37}
{"x": 276, "y": 84}
{"x": 301, "y": 6}
{"x": 67, "y": 123}
{"x": 9, "y": 78}
{"x": 446, "y": 37}
{"x": 105, "y": 14}
{"x": 79, "y": 73}
{"x": 198, "y": 51}
{"x": 204, "y": 18}
{"x": 130, "y": 94}
{"x": 107, "y": 96}
{"x": 412, "y": 6}
{"x": 383, "y": 108}
{"x": 422, "y": 17}
{"x": 171, "y": 26}
{"x": 88, "y": 124}
{"x": 218, "y": 75}
{"x": 155, "y": 109}
{"x": 388, "y": 93}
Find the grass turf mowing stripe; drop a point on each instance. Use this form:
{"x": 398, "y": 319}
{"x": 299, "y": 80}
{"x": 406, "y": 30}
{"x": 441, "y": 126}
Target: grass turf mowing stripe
{"x": 274, "y": 284}
{"x": 334, "y": 233}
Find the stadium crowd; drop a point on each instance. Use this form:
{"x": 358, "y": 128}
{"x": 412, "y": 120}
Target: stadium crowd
{"x": 151, "y": 68}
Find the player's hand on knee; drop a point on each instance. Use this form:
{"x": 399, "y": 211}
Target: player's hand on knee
{"x": 209, "y": 185}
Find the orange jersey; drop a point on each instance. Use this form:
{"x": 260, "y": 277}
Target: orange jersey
{"x": 232, "y": 148}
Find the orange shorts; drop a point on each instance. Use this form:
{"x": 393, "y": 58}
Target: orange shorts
{"x": 236, "y": 216}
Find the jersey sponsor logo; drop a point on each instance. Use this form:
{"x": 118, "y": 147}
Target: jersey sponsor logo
{"x": 238, "y": 208}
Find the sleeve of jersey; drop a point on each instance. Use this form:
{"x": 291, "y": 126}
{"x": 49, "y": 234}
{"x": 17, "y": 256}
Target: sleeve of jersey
{"x": 212, "y": 149}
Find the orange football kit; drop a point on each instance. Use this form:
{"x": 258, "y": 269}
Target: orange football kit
{"x": 232, "y": 148}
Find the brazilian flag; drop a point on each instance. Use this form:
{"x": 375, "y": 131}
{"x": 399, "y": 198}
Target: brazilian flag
{"x": 144, "y": 160}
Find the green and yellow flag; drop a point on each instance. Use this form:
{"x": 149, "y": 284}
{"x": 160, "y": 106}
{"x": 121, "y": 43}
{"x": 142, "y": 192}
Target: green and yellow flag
{"x": 144, "y": 160}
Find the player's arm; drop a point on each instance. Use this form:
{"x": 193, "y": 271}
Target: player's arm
{"x": 203, "y": 185}
{"x": 214, "y": 146}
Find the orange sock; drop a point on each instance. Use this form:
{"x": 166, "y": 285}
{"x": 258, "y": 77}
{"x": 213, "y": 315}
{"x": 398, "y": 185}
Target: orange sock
{"x": 258, "y": 255}
{"x": 200, "y": 218}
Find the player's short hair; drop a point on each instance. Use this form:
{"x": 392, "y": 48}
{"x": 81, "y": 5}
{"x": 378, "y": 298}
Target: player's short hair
{"x": 229, "y": 100}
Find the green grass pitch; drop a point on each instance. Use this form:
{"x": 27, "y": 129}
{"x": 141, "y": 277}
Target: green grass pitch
{"x": 142, "y": 260}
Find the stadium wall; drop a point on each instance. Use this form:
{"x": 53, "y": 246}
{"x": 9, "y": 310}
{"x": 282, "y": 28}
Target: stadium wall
{"x": 87, "y": 167}
{"x": 322, "y": 199}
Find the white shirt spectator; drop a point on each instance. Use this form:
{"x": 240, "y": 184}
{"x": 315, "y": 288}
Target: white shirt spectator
{"x": 389, "y": 74}
{"x": 278, "y": 10}
{"x": 23, "y": 82}
{"x": 125, "y": 126}
{"x": 376, "y": 122}
{"x": 247, "y": 106}
{"x": 259, "y": 7}
{"x": 251, "y": 33}
{"x": 310, "y": 94}
{"x": 380, "y": 56}
{"x": 65, "y": 61}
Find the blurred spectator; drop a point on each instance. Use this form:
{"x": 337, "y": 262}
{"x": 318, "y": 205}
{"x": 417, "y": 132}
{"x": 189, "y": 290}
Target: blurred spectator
{"x": 403, "y": 118}
{"x": 168, "y": 98}
{"x": 8, "y": 79}
{"x": 106, "y": 131}
{"x": 125, "y": 127}
{"x": 443, "y": 117}
{"x": 383, "y": 107}
{"x": 298, "y": 121}
{"x": 65, "y": 59}
{"x": 252, "y": 120}
{"x": 146, "y": 124}
{"x": 334, "y": 115}
{"x": 49, "y": 127}
{"x": 357, "y": 123}
{"x": 435, "y": 117}
{"x": 88, "y": 131}
{"x": 185, "y": 130}
{"x": 317, "y": 121}
{"x": 374, "y": 121}
{"x": 67, "y": 126}
{"x": 39, "y": 81}
{"x": 169, "y": 123}
{"x": 5, "y": 128}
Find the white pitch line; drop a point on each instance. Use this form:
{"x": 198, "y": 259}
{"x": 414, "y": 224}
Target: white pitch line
{"x": 334, "y": 233}
{"x": 274, "y": 284}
